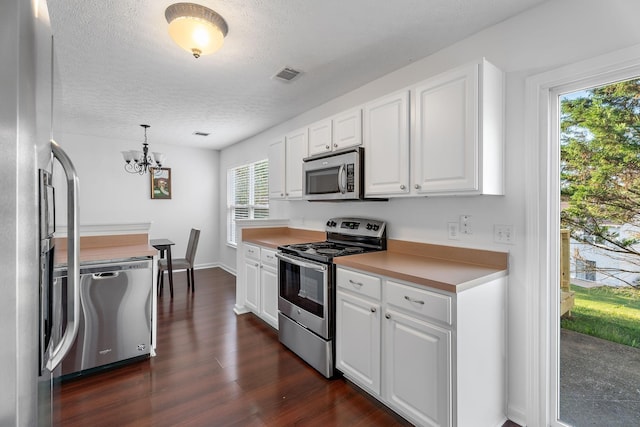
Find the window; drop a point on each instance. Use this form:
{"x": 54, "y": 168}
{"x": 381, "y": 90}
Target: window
{"x": 247, "y": 195}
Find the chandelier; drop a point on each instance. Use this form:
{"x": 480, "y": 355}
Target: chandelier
{"x": 141, "y": 162}
{"x": 197, "y": 29}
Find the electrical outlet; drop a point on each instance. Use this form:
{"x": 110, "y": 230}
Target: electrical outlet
{"x": 453, "y": 230}
{"x": 504, "y": 234}
{"x": 465, "y": 224}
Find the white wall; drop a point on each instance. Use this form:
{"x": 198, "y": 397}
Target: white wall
{"x": 109, "y": 195}
{"x": 554, "y": 34}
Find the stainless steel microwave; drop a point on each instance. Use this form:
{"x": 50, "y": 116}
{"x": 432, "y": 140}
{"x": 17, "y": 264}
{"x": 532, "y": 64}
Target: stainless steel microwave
{"x": 334, "y": 176}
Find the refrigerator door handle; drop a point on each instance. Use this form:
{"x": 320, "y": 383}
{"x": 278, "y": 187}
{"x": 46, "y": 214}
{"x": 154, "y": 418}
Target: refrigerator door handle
{"x": 73, "y": 257}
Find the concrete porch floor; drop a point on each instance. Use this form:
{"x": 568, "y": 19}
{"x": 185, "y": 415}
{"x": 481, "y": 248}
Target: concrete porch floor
{"x": 599, "y": 382}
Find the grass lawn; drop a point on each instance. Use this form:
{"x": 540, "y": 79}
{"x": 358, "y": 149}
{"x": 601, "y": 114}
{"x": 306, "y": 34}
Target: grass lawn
{"x": 606, "y": 312}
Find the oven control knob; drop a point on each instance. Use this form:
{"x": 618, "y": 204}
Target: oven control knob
{"x": 376, "y": 227}
{"x": 369, "y": 226}
{"x": 331, "y": 223}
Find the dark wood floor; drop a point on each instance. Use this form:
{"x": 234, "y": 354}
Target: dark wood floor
{"x": 214, "y": 368}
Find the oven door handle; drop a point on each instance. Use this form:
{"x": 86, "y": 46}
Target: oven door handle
{"x": 301, "y": 263}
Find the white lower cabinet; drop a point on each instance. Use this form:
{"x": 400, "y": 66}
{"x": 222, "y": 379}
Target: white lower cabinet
{"x": 252, "y": 276}
{"x": 269, "y": 288}
{"x": 261, "y": 276}
{"x": 436, "y": 358}
{"x": 418, "y": 369}
{"x": 358, "y": 340}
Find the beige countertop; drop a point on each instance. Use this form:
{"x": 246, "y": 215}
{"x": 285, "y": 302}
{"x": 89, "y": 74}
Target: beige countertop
{"x": 447, "y": 268}
{"x": 105, "y": 248}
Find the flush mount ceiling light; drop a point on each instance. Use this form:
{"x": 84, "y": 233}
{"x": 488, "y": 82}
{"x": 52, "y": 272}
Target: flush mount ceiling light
{"x": 197, "y": 29}
{"x": 140, "y": 161}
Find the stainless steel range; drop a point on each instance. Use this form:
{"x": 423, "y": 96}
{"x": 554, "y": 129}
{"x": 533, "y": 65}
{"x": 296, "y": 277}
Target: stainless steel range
{"x": 306, "y": 279}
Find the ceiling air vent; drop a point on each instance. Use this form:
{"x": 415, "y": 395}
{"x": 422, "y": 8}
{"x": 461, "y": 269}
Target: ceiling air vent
{"x": 201, "y": 134}
{"x": 287, "y": 74}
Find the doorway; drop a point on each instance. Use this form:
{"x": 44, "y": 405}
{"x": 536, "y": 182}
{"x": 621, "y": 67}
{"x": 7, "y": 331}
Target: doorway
{"x": 599, "y": 336}
{"x": 542, "y": 150}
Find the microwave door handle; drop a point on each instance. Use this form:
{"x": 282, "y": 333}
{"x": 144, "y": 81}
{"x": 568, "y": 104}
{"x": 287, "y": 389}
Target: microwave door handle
{"x": 342, "y": 179}
{"x": 300, "y": 263}
{"x": 73, "y": 258}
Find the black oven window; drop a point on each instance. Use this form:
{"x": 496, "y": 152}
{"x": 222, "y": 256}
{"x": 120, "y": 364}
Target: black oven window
{"x": 303, "y": 287}
{"x": 323, "y": 181}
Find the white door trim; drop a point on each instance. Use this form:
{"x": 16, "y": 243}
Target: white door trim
{"x": 542, "y": 217}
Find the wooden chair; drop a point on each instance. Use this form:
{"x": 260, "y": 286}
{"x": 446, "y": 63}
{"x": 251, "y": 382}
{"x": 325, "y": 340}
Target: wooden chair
{"x": 180, "y": 263}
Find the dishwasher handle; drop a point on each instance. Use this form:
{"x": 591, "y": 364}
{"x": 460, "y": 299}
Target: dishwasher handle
{"x": 106, "y": 275}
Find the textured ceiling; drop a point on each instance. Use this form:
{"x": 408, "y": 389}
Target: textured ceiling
{"x": 116, "y": 66}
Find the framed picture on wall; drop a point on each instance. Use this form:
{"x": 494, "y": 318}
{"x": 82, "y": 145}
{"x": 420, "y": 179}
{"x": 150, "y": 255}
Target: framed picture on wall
{"x": 160, "y": 183}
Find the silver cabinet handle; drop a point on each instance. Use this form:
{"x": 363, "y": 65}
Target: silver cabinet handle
{"x": 335, "y": 145}
{"x": 417, "y": 187}
{"x": 417, "y": 301}
{"x": 373, "y": 309}
{"x": 355, "y": 283}
{"x": 388, "y": 316}
{"x": 402, "y": 187}
{"x": 327, "y": 147}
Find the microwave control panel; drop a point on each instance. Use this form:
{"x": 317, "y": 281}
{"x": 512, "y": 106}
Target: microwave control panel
{"x": 350, "y": 178}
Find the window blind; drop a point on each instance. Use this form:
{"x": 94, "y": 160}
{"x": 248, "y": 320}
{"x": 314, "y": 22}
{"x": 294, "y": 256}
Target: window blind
{"x": 247, "y": 195}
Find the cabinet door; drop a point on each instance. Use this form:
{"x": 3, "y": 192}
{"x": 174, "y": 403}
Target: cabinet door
{"x": 320, "y": 137}
{"x": 252, "y": 277}
{"x": 417, "y": 369}
{"x": 445, "y": 147}
{"x": 358, "y": 340}
{"x": 296, "y": 150}
{"x": 347, "y": 129}
{"x": 276, "y": 169}
{"x": 386, "y": 141}
{"x": 269, "y": 295}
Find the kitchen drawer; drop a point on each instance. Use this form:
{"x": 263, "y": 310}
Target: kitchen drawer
{"x": 359, "y": 283}
{"x": 268, "y": 257}
{"x": 419, "y": 301}
{"x": 251, "y": 251}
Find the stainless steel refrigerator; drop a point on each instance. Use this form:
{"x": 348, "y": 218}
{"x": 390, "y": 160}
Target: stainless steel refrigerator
{"x": 27, "y": 355}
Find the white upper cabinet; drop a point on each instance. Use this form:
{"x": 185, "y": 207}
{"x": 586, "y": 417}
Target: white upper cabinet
{"x": 347, "y": 129}
{"x": 320, "y": 137}
{"x": 386, "y": 142}
{"x": 448, "y": 140}
{"x": 295, "y": 150}
{"x": 285, "y": 165}
{"x": 457, "y": 140}
{"x": 276, "y": 169}
{"x": 335, "y": 133}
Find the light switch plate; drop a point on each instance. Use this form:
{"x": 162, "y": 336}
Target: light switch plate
{"x": 453, "y": 231}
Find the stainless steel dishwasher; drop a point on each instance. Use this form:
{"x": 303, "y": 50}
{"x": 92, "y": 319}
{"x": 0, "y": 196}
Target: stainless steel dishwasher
{"x": 115, "y": 314}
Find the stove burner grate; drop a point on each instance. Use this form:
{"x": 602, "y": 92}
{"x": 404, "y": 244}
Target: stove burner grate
{"x": 328, "y": 251}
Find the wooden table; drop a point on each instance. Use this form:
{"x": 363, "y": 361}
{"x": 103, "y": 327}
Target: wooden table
{"x": 164, "y": 245}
